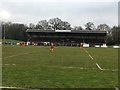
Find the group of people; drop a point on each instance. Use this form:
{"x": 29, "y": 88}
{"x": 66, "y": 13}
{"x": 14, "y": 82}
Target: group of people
{"x": 52, "y": 46}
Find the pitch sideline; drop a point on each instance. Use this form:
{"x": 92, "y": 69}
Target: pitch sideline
{"x": 99, "y": 67}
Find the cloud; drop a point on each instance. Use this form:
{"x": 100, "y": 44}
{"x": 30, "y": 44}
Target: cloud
{"x": 59, "y": 1}
{"x": 76, "y": 12}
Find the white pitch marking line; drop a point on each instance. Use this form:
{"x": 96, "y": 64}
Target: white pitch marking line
{"x": 6, "y": 64}
{"x": 86, "y": 51}
{"x": 10, "y": 64}
{"x": 3, "y": 87}
{"x": 18, "y": 55}
{"x": 82, "y": 68}
{"x": 88, "y": 68}
{"x": 93, "y": 59}
{"x": 11, "y": 56}
{"x": 116, "y": 88}
{"x": 90, "y": 56}
{"x": 13, "y": 64}
{"x": 8, "y": 87}
{"x": 110, "y": 69}
{"x": 98, "y": 66}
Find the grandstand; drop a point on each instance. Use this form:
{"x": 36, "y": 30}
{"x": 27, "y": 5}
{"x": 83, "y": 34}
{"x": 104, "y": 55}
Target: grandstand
{"x": 67, "y": 37}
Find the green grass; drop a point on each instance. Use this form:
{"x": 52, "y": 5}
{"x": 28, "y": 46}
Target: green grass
{"x": 37, "y": 67}
{"x": 106, "y": 57}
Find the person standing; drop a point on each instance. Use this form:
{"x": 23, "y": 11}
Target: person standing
{"x": 51, "y": 46}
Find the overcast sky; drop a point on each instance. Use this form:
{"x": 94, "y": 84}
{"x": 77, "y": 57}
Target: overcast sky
{"x": 76, "y": 12}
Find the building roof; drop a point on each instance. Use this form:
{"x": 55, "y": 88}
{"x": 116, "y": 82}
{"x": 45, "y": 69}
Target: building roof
{"x": 64, "y": 31}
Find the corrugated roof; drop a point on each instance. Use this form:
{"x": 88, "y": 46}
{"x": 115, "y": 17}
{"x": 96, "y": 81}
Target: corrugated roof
{"x": 39, "y": 30}
{"x": 65, "y": 31}
{"x": 87, "y": 31}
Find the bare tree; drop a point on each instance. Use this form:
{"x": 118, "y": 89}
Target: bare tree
{"x": 77, "y": 28}
{"x": 58, "y": 24}
{"x": 43, "y": 24}
{"x": 31, "y": 26}
{"x": 90, "y": 26}
{"x": 104, "y": 27}
{"x": 55, "y": 23}
{"x": 65, "y": 25}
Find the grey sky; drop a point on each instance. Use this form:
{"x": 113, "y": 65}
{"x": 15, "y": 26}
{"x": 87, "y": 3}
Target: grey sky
{"x": 76, "y": 12}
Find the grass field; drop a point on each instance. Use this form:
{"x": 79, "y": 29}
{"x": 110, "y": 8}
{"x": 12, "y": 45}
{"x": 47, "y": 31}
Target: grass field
{"x": 66, "y": 67}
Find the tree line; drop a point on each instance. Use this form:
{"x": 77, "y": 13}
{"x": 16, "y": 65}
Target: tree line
{"x": 17, "y": 31}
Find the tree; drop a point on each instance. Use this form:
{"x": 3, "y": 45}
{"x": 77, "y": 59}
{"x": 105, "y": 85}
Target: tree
{"x": 65, "y": 25}
{"x": 116, "y": 34}
{"x": 43, "y": 24}
{"x": 58, "y": 24}
{"x": 55, "y": 23}
{"x": 38, "y": 26}
{"x": 114, "y": 37}
{"x": 15, "y": 31}
{"x": 31, "y": 26}
{"x": 77, "y": 28}
{"x": 109, "y": 40}
{"x": 90, "y": 26}
{"x": 103, "y": 27}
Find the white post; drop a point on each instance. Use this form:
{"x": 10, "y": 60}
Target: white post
{"x": 4, "y": 32}
{"x": 0, "y": 64}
